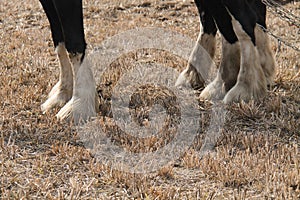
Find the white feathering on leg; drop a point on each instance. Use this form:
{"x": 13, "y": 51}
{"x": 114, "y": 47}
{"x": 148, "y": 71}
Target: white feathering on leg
{"x": 266, "y": 56}
{"x": 251, "y": 81}
{"x": 200, "y": 62}
{"x": 85, "y": 94}
{"x": 227, "y": 72}
{"x": 62, "y": 91}
{"x": 82, "y": 105}
{"x": 182, "y": 79}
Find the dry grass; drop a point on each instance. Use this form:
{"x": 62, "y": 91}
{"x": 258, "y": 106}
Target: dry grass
{"x": 258, "y": 155}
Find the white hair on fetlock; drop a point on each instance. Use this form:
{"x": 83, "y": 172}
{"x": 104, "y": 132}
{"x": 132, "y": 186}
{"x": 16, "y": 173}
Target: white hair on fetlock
{"x": 182, "y": 79}
{"x": 227, "y": 72}
{"x": 251, "y": 81}
{"x": 214, "y": 90}
{"x": 199, "y": 64}
{"x": 85, "y": 94}
{"x": 82, "y": 105}
{"x": 62, "y": 91}
{"x": 266, "y": 56}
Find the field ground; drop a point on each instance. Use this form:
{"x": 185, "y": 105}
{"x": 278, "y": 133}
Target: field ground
{"x": 258, "y": 156}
